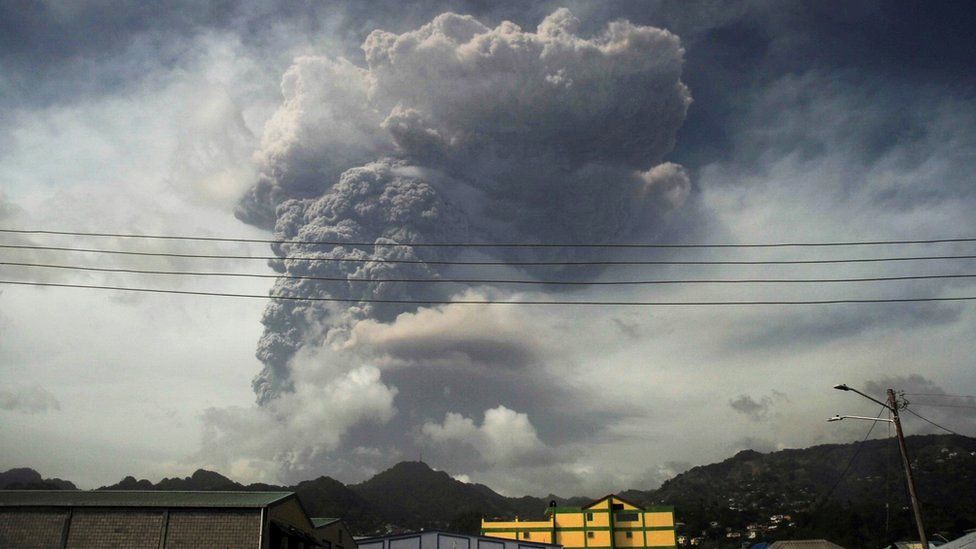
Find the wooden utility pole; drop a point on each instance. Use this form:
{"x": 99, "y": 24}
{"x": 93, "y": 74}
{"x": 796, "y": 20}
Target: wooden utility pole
{"x": 912, "y": 493}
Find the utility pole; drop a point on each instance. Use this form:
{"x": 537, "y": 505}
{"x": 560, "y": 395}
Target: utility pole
{"x": 893, "y": 406}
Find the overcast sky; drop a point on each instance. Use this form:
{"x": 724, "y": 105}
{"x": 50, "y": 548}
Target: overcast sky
{"x": 667, "y": 122}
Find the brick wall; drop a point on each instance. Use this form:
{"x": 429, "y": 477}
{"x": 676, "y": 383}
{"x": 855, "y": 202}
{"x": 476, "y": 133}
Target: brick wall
{"x": 213, "y": 528}
{"x": 131, "y": 528}
{"x": 29, "y": 529}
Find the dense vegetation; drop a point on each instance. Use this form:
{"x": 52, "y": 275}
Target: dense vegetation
{"x": 866, "y": 507}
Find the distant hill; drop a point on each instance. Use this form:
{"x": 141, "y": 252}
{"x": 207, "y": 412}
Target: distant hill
{"x": 814, "y": 487}
{"x": 29, "y": 479}
{"x": 811, "y": 486}
{"x": 412, "y": 495}
{"x": 200, "y": 480}
{"x": 327, "y": 497}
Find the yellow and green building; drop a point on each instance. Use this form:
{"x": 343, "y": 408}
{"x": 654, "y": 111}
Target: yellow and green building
{"x": 610, "y": 522}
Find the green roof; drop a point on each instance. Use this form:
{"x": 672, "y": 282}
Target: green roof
{"x": 319, "y": 522}
{"x": 138, "y": 498}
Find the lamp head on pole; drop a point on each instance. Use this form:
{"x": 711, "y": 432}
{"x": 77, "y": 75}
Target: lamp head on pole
{"x": 835, "y": 418}
{"x": 842, "y": 387}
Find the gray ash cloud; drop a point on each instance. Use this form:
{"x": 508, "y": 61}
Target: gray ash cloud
{"x": 456, "y": 131}
{"x": 377, "y": 203}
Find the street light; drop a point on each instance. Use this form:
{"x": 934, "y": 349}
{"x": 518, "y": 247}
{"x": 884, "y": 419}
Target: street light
{"x": 838, "y": 418}
{"x": 843, "y": 387}
{"x": 892, "y": 406}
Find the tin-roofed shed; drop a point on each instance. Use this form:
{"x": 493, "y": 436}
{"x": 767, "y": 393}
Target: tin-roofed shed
{"x": 154, "y": 519}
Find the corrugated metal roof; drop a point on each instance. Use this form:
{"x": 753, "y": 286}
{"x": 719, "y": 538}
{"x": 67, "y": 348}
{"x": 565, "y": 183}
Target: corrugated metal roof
{"x": 319, "y": 522}
{"x": 968, "y": 542}
{"x": 137, "y": 498}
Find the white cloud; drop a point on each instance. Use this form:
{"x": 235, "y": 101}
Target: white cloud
{"x": 300, "y": 428}
{"x": 505, "y": 437}
{"x": 453, "y": 336}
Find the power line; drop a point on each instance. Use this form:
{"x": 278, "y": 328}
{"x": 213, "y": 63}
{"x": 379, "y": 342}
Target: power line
{"x": 938, "y": 395}
{"x": 491, "y": 301}
{"x": 493, "y": 245}
{"x": 909, "y": 410}
{"x": 945, "y": 405}
{"x": 491, "y": 280}
{"x": 496, "y": 263}
{"x": 851, "y": 461}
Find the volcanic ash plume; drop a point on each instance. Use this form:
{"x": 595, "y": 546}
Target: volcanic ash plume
{"x": 377, "y": 203}
{"x": 457, "y": 131}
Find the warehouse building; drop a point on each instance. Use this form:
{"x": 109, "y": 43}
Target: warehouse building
{"x": 437, "y": 539}
{"x": 154, "y": 519}
{"x": 334, "y": 531}
{"x": 610, "y": 522}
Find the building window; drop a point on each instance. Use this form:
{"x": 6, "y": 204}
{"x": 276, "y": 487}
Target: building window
{"x": 617, "y": 506}
{"x": 589, "y": 535}
{"x": 589, "y": 517}
{"x": 630, "y": 535}
{"x": 626, "y": 517}
{"x": 525, "y": 535}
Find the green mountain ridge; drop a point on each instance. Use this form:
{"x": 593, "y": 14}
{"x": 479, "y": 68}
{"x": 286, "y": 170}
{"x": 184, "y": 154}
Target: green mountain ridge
{"x": 833, "y": 491}
{"x": 853, "y": 494}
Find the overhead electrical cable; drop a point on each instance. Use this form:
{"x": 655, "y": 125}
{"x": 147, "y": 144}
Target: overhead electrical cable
{"x": 494, "y": 301}
{"x": 487, "y": 280}
{"x": 492, "y": 280}
{"x": 850, "y": 462}
{"x": 938, "y": 395}
{"x": 916, "y": 414}
{"x": 491, "y": 244}
{"x": 927, "y": 404}
{"x": 498, "y": 263}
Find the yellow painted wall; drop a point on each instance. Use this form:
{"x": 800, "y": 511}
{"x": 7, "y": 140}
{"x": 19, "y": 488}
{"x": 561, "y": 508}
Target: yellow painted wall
{"x": 569, "y": 520}
{"x": 599, "y": 519}
{"x": 605, "y": 504}
{"x": 602, "y": 504}
{"x": 659, "y": 519}
{"x": 621, "y": 539}
{"x": 599, "y": 539}
{"x": 600, "y": 513}
{"x": 571, "y": 539}
{"x": 660, "y": 538}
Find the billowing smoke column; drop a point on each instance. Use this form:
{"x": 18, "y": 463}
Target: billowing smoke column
{"x": 378, "y": 202}
{"x": 456, "y": 131}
